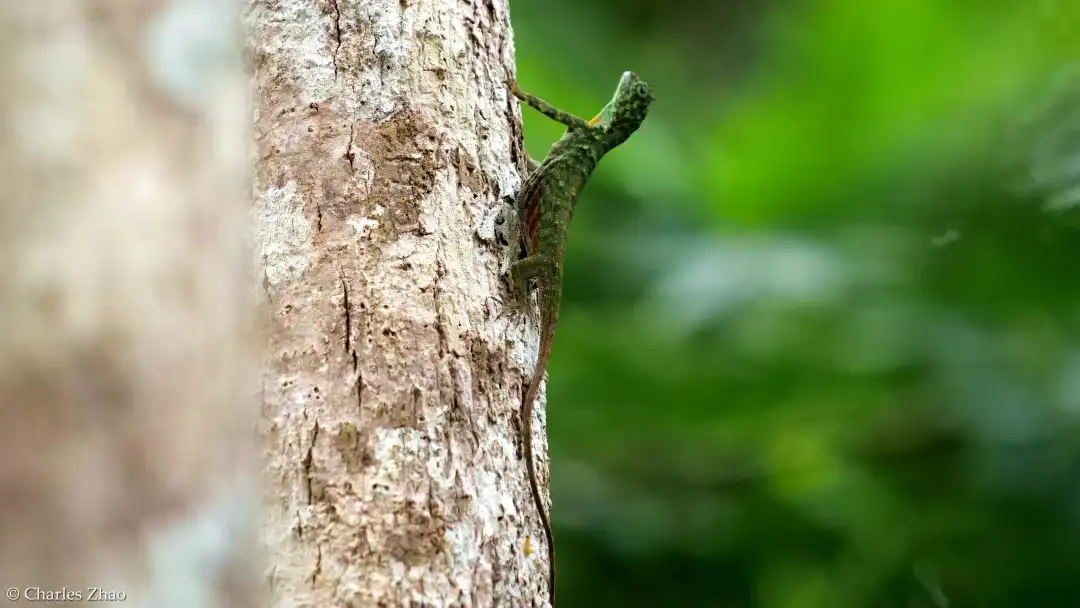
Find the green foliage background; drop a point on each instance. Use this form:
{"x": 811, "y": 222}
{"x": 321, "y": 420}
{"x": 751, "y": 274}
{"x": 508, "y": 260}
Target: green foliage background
{"x": 819, "y": 343}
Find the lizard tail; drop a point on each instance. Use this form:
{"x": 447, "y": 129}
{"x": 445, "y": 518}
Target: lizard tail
{"x": 546, "y": 339}
{"x": 547, "y": 527}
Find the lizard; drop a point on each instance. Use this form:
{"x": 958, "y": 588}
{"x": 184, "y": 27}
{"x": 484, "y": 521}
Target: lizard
{"x": 543, "y": 208}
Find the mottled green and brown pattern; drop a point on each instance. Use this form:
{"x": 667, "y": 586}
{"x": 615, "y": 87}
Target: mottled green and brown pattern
{"x": 545, "y": 204}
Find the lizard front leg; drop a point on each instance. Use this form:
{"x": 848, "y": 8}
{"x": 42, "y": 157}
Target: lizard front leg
{"x": 545, "y": 108}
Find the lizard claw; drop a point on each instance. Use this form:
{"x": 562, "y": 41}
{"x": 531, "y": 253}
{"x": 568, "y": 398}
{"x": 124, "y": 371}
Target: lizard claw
{"x": 506, "y": 307}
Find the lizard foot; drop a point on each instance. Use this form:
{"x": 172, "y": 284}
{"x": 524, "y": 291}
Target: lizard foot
{"x": 510, "y": 306}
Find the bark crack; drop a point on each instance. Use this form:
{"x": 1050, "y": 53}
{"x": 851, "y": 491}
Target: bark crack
{"x": 349, "y": 154}
{"x": 337, "y": 36}
{"x": 350, "y": 349}
{"x": 348, "y": 314}
{"x": 308, "y": 459}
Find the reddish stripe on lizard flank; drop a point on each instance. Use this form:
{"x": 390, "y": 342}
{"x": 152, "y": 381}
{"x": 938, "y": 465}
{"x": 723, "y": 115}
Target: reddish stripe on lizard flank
{"x": 532, "y": 222}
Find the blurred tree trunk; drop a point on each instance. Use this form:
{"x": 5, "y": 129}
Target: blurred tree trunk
{"x": 126, "y": 368}
{"x": 391, "y": 437}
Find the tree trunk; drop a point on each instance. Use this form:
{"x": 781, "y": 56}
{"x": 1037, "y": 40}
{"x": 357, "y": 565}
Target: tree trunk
{"x": 391, "y": 435}
{"x": 126, "y": 406}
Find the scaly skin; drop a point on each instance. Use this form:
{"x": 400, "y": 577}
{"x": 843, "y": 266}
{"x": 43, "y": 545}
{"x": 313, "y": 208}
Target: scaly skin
{"x": 545, "y": 204}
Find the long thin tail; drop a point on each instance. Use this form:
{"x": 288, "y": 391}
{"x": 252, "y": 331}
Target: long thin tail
{"x": 547, "y": 525}
{"x": 547, "y": 337}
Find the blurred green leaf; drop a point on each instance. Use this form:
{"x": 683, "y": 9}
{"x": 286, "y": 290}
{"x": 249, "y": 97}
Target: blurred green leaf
{"x": 819, "y": 343}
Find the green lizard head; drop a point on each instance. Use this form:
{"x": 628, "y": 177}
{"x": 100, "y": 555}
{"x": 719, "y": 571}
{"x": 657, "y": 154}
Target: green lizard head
{"x": 626, "y": 110}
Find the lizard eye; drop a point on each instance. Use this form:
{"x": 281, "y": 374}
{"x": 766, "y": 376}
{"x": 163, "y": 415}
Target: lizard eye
{"x": 641, "y": 89}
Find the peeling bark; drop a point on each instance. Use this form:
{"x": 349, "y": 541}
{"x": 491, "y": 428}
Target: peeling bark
{"x": 125, "y": 295}
{"x": 390, "y": 421}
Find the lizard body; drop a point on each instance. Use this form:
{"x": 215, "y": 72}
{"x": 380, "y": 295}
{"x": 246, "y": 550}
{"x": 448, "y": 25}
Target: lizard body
{"x": 545, "y": 205}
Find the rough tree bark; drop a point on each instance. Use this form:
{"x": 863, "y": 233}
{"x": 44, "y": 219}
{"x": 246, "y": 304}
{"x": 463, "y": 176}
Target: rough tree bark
{"x": 385, "y": 136}
{"x": 126, "y": 409}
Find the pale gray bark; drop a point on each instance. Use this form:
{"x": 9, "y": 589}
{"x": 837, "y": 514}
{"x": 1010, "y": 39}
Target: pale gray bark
{"x": 385, "y": 138}
{"x": 126, "y": 401}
